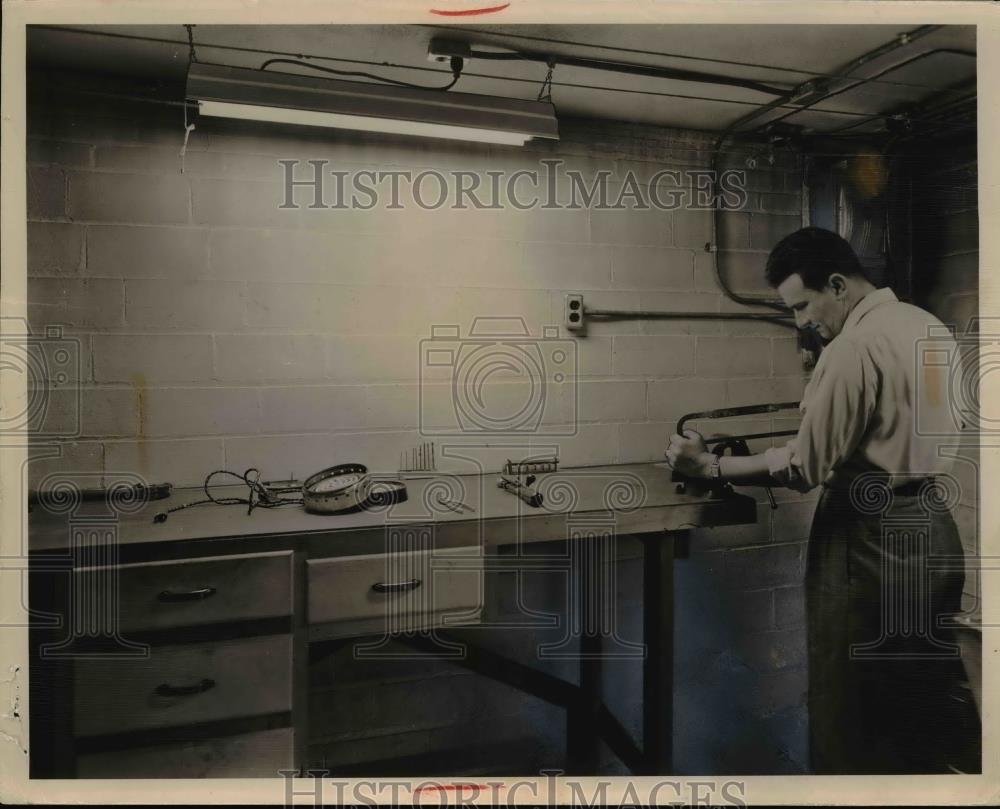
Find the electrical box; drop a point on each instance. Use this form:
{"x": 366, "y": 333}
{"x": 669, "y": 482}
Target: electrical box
{"x": 573, "y": 312}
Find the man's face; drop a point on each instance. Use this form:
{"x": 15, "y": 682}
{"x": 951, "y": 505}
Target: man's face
{"x": 823, "y": 310}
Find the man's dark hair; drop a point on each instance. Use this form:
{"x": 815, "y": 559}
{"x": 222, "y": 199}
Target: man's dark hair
{"x": 813, "y": 253}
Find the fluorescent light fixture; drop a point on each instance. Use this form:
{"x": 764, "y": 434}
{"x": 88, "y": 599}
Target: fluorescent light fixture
{"x": 260, "y": 95}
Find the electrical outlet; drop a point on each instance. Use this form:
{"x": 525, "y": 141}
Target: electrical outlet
{"x": 573, "y": 312}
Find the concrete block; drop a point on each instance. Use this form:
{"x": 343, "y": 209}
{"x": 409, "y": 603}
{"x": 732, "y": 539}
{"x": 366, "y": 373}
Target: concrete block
{"x": 593, "y": 355}
{"x": 59, "y": 153}
{"x": 183, "y": 462}
{"x": 145, "y": 359}
{"x": 189, "y": 412}
{"x": 774, "y": 651}
{"x": 771, "y": 565}
{"x": 743, "y": 272}
{"x": 780, "y": 691}
{"x": 242, "y": 204}
{"x": 80, "y": 461}
{"x": 790, "y": 607}
{"x": 780, "y": 203}
{"x": 766, "y": 230}
{"x": 402, "y": 407}
{"x": 692, "y": 228}
{"x": 653, "y": 356}
{"x": 129, "y": 251}
{"x": 673, "y": 399}
{"x": 763, "y": 391}
{"x": 89, "y": 128}
{"x": 379, "y": 451}
{"x": 55, "y": 248}
{"x": 786, "y": 359}
{"x": 292, "y": 256}
{"x": 157, "y": 160}
{"x": 734, "y": 231}
{"x": 750, "y": 610}
{"x": 159, "y": 199}
{"x": 91, "y": 412}
{"x": 563, "y": 225}
{"x": 646, "y": 268}
{"x": 560, "y": 266}
{"x": 46, "y": 193}
{"x": 373, "y": 359}
{"x": 593, "y": 445}
{"x": 321, "y": 408}
{"x": 611, "y": 401}
{"x": 263, "y": 358}
{"x": 735, "y": 536}
{"x": 631, "y": 226}
{"x": 194, "y": 305}
{"x": 682, "y": 302}
{"x": 643, "y": 442}
{"x": 90, "y": 303}
{"x": 726, "y": 357}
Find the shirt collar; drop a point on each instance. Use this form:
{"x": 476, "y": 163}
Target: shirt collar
{"x": 866, "y": 304}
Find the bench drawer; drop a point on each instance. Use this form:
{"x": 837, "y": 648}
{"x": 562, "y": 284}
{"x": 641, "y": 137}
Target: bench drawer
{"x": 396, "y": 591}
{"x": 182, "y": 685}
{"x": 247, "y": 755}
{"x": 161, "y": 595}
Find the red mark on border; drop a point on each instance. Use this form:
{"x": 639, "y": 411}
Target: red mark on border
{"x": 451, "y": 787}
{"x": 469, "y": 12}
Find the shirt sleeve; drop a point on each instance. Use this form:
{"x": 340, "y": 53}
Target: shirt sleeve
{"x": 836, "y": 413}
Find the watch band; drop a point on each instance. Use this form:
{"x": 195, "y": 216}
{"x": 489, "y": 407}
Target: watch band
{"x": 715, "y": 470}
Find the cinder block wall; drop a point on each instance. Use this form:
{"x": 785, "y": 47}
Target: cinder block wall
{"x": 946, "y": 282}
{"x": 219, "y": 331}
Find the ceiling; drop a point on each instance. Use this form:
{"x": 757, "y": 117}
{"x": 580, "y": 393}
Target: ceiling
{"x": 780, "y": 55}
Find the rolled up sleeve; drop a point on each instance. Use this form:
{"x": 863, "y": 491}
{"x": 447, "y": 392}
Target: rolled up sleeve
{"x": 836, "y": 412}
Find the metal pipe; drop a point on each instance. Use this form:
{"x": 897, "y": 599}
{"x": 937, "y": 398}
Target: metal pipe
{"x": 630, "y": 68}
{"x": 645, "y": 314}
{"x": 798, "y": 92}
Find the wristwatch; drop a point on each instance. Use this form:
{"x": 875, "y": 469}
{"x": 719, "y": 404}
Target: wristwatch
{"x": 715, "y": 470}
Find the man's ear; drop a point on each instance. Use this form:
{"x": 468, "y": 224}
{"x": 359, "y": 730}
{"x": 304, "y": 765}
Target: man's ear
{"x": 837, "y": 284}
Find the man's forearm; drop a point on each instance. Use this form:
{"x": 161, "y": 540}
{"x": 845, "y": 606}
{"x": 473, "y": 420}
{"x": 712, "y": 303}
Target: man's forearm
{"x": 747, "y": 470}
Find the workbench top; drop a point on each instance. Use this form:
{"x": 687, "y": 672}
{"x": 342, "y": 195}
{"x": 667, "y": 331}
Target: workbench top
{"x": 630, "y": 498}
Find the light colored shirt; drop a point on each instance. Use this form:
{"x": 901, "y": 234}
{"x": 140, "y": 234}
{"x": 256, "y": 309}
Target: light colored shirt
{"x": 881, "y": 398}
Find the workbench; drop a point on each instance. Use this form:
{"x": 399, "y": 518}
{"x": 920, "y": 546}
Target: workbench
{"x": 180, "y": 648}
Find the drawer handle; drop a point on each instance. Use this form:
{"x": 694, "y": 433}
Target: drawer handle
{"x": 396, "y": 586}
{"x": 172, "y": 597}
{"x": 165, "y": 690}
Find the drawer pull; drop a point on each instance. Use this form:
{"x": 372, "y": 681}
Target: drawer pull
{"x": 165, "y": 690}
{"x": 172, "y": 597}
{"x": 396, "y": 586}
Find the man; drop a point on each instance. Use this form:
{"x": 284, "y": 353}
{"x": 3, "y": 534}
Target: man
{"x": 887, "y": 693}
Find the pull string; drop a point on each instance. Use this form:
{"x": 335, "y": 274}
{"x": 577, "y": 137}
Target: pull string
{"x": 545, "y": 91}
{"x": 188, "y": 128}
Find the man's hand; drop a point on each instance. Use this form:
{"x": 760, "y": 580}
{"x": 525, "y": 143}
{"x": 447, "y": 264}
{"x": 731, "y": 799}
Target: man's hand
{"x": 688, "y": 455}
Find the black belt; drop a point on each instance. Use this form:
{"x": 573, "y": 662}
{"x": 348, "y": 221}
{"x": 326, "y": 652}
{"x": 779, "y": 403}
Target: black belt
{"x": 911, "y": 488}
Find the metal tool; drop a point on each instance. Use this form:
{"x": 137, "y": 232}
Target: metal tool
{"x": 532, "y": 466}
{"x": 418, "y": 459}
{"x": 347, "y": 488}
{"x": 454, "y": 505}
{"x": 735, "y": 444}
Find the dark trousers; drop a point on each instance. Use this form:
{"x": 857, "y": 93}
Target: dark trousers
{"x": 887, "y": 688}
